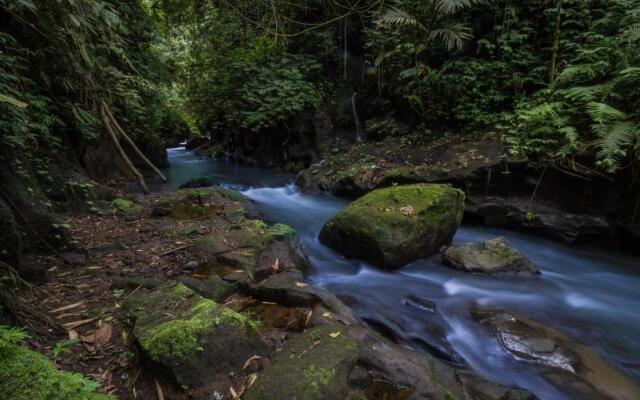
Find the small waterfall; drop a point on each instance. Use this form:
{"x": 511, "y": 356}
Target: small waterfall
{"x": 359, "y": 137}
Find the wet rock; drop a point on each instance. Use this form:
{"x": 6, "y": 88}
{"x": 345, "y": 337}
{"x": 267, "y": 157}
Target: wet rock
{"x": 193, "y": 339}
{"x": 395, "y": 226}
{"x": 197, "y": 142}
{"x": 558, "y": 357}
{"x": 541, "y": 219}
{"x": 205, "y": 181}
{"x": 419, "y": 303}
{"x": 489, "y": 256}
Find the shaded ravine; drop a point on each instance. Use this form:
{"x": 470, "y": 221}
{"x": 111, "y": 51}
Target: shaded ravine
{"x": 591, "y": 295}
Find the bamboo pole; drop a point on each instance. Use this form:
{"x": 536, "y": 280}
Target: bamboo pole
{"x": 132, "y": 144}
{"x": 114, "y": 138}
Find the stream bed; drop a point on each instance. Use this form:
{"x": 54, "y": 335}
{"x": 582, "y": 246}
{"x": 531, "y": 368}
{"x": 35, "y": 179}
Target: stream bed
{"x": 588, "y": 294}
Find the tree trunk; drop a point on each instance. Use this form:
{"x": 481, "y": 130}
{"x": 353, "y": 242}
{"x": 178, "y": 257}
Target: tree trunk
{"x": 126, "y": 159}
{"x": 556, "y": 44}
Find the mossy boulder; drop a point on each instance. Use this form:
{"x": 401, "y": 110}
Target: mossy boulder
{"x": 490, "y": 256}
{"x": 28, "y": 375}
{"x": 193, "y": 339}
{"x": 313, "y": 366}
{"x": 394, "y": 226}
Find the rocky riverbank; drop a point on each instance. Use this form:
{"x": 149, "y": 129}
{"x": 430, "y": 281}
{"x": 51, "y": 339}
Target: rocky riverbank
{"x": 191, "y": 295}
{"x": 568, "y": 203}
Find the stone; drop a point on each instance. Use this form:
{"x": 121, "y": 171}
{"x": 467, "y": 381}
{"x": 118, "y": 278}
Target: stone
{"x": 29, "y": 375}
{"x": 192, "y": 339}
{"x": 489, "y": 256}
{"x": 394, "y": 226}
{"x": 559, "y": 358}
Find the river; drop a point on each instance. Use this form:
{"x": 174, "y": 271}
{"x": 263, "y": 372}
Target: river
{"x": 589, "y": 294}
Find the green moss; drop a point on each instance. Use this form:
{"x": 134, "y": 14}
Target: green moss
{"x": 28, "y": 375}
{"x": 231, "y": 194}
{"x": 389, "y": 226}
{"x": 123, "y": 205}
{"x": 313, "y": 366}
{"x": 281, "y": 231}
{"x": 199, "y": 194}
{"x": 179, "y": 334}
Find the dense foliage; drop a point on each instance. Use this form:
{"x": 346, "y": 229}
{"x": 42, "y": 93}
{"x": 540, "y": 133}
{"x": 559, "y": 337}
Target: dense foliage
{"x": 556, "y": 78}
{"x": 60, "y": 59}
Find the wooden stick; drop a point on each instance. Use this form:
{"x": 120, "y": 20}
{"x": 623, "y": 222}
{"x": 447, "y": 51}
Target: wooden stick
{"x": 132, "y": 144}
{"x": 114, "y": 138}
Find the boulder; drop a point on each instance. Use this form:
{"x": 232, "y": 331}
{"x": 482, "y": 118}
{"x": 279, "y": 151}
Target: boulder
{"x": 489, "y": 256}
{"x": 394, "y": 226}
{"x": 313, "y": 366}
{"x": 204, "y": 181}
{"x": 29, "y": 375}
{"x": 195, "y": 340}
{"x": 559, "y": 358}
{"x": 197, "y": 142}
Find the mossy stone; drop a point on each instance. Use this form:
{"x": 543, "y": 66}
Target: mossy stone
{"x": 190, "y": 337}
{"x": 313, "y": 366}
{"x": 28, "y": 375}
{"x": 490, "y": 256}
{"x": 394, "y": 226}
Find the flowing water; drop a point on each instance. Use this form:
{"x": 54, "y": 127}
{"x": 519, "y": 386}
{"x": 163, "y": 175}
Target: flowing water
{"x": 591, "y": 295}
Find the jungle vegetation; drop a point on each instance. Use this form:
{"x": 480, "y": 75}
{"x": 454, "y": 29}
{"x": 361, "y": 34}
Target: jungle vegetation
{"x": 554, "y": 78}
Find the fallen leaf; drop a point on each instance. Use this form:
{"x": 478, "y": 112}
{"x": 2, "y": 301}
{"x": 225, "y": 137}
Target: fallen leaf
{"x": 75, "y": 324}
{"x": 73, "y": 335}
{"x": 276, "y": 265}
{"x": 250, "y": 360}
{"x": 102, "y": 335}
{"x": 407, "y": 210}
{"x": 327, "y": 314}
{"x": 234, "y": 395}
{"x": 301, "y": 284}
{"x": 251, "y": 379}
{"x": 68, "y": 307}
{"x": 159, "y": 390}
{"x": 335, "y": 334}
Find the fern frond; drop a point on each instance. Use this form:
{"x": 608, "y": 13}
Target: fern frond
{"x": 613, "y": 141}
{"x": 602, "y": 113}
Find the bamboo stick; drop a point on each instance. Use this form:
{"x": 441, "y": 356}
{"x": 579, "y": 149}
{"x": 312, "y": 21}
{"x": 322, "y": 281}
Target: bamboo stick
{"x": 132, "y": 144}
{"x": 114, "y": 138}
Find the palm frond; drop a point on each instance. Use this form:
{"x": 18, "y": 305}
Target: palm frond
{"x": 396, "y": 16}
{"x": 453, "y": 36}
{"x": 453, "y": 6}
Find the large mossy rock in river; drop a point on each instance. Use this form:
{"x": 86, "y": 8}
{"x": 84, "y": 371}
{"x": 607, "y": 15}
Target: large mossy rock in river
{"x": 195, "y": 340}
{"x": 395, "y": 226}
{"x": 490, "y": 256}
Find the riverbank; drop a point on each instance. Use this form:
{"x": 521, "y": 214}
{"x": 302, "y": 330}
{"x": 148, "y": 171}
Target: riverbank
{"x": 209, "y": 242}
{"x": 424, "y": 307}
